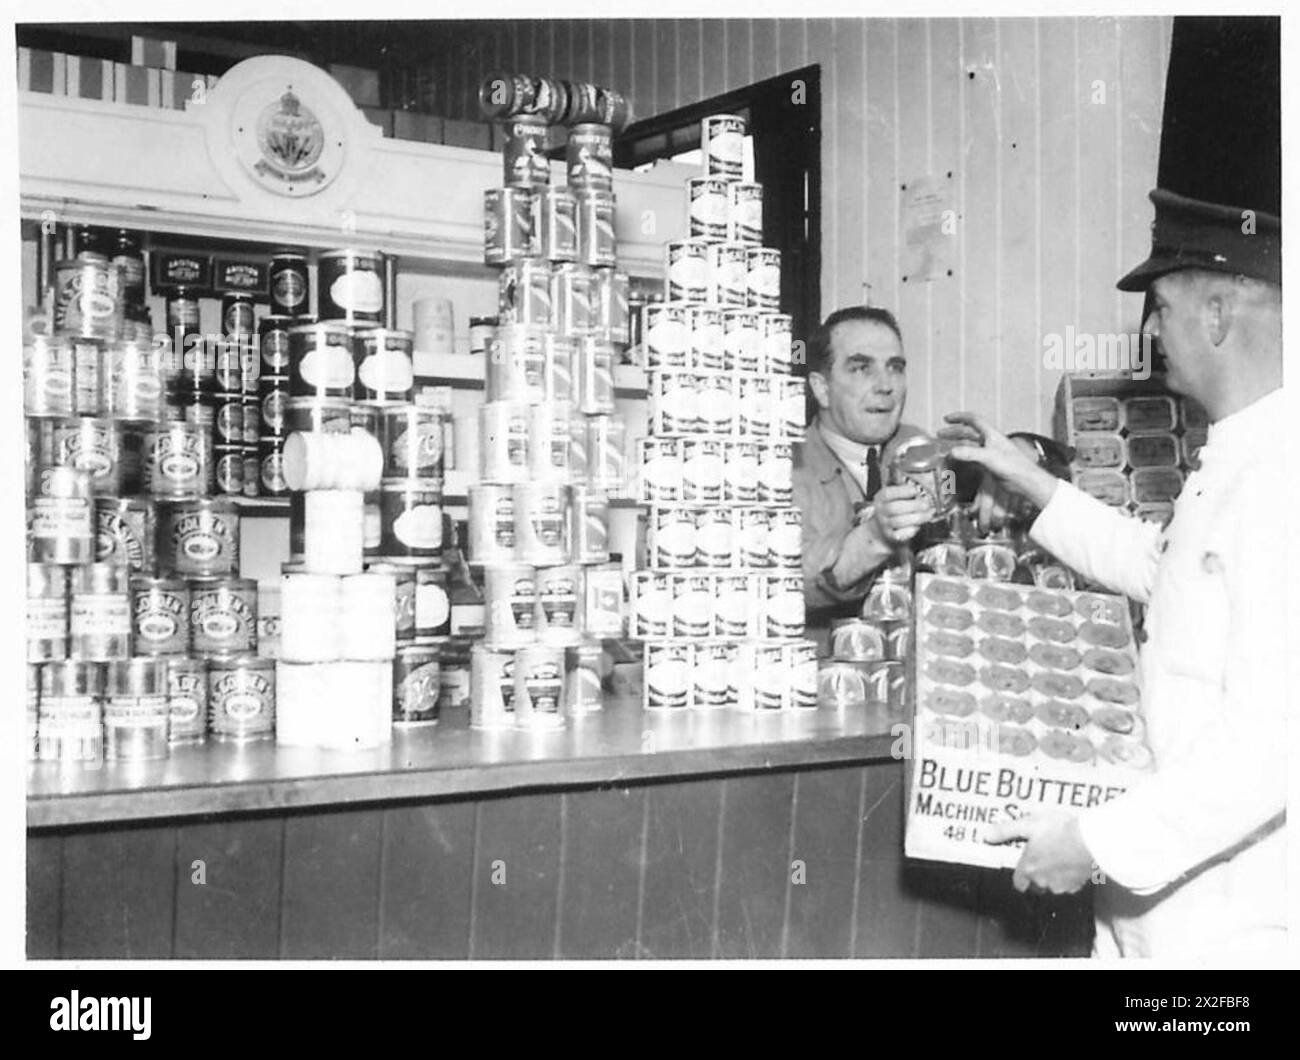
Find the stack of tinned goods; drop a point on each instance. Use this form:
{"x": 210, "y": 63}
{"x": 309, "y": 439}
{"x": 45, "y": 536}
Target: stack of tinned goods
{"x": 720, "y": 601}
{"x": 868, "y": 660}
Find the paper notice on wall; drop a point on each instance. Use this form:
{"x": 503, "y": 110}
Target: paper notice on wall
{"x": 929, "y": 228}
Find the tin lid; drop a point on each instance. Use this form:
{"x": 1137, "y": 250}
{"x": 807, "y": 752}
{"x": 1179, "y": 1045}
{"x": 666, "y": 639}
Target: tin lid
{"x": 919, "y": 455}
{"x": 136, "y": 677}
{"x": 100, "y": 578}
{"x": 203, "y": 582}
{"x": 141, "y": 582}
{"x": 239, "y": 661}
{"x": 483, "y": 322}
{"x": 190, "y": 664}
{"x": 72, "y": 678}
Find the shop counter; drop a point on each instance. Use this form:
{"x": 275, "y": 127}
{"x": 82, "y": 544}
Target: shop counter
{"x": 626, "y": 835}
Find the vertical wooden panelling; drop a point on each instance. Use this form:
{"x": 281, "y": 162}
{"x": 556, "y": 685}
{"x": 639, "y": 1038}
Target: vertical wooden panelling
{"x": 427, "y": 860}
{"x": 44, "y": 869}
{"x": 739, "y": 53}
{"x": 820, "y": 916}
{"x": 602, "y": 68}
{"x": 228, "y": 907}
{"x": 118, "y": 893}
{"x": 626, "y": 63}
{"x": 667, "y": 84}
{"x": 602, "y": 873}
{"x": 1099, "y": 95}
{"x": 693, "y": 63}
{"x": 756, "y": 869}
{"x": 679, "y": 879}
{"x": 846, "y": 236}
{"x": 820, "y": 34}
{"x": 887, "y": 914}
{"x": 792, "y": 46}
{"x": 763, "y": 59}
{"x": 331, "y": 885}
{"x": 945, "y": 307}
{"x": 713, "y": 57}
{"x": 880, "y": 189}
{"x": 516, "y": 878}
{"x": 1021, "y": 348}
{"x": 948, "y": 919}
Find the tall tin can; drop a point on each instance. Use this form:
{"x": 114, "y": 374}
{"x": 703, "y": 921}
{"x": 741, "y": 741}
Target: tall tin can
{"x": 492, "y": 688}
{"x": 589, "y": 157}
{"x": 597, "y": 243}
{"x": 187, "y": 698}
{"x": 589, "y": 525}
{"x": 199, "y": 537}
{"x": 48, "y": 376}
{"x": 160, "y": 615}
{"x": 416, "y": 681}
{"x": 177, "y": 456}
{"x": 541, "y": 518}
{"x": 93, "y": 445}
{"x": 539, "y": 687}
{"x": 524, "y": 292}
{"x": 511, "y": 226}
{"x": 289, "y": 284}
{"x": 241, "y": 698}
{"x": 126, "y": 529}
{"x": 351, "y": 286}
{"x": 491, "y": 525}
{"x": 99, "y": 617}
{"x": 60, "y": 518}
{"x": 557, "y": 210}
{"x": 135, "y": 710}
{"x": 47, "y": 612}
{"x": 722, "y": 141}
{"x": 706, "y": 208}
{"x": 524, "y": 161}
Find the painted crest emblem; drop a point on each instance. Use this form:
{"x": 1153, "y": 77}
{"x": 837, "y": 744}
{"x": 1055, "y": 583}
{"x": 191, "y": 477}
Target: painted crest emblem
{"x": 291, "y": 140}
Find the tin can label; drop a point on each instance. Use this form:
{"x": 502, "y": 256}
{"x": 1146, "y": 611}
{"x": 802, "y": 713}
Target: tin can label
{"x": 47, "y": 377}
{"x": 416, "y": 686}
{"x": 273, "y": 473}
{"x": 783, "y": 608}
{"x": 241, "y": 702}
{"x": 203, "y": 541}
{"x": 667, "y": 675}
{"x": 187, "y": 695}
{"x": 735, "y": 606}
{"x": 47, "y": 619}
{"x": 661, "y": 470}
{"x": 785, "y": 538}
{"x": 723, "y": 137}
{"x": 89, "y": 446}
{"x": 715, "y": 538}
{"x": 687, "y": 270}
{"x": 652, "y": 604}
{"x": 702, "y": 470}
{"x": 711, "y": 675}
{"x": 728, "y": 274}
{"x": 590, "y": 157}
{"x": 674, "y": 403}
{"x": 60, "y": 518}
{"x": 667, "y": 339}
{"x": 745, "y": 213}
{"x": 670, "y": 538}
{"x": 707, "y": 207}
{"x": 289, "y": 287}
{"x": 123, "y": 537}
{"x": 432, "y": 606}
{"x": 174, "y": 461}
{"x": 100, "y": 615}
{"x": 223, "y": 620}
{"x": 161, "y": 622}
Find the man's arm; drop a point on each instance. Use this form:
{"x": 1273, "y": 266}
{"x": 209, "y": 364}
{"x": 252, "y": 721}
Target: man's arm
{"x": 837, "y": 559}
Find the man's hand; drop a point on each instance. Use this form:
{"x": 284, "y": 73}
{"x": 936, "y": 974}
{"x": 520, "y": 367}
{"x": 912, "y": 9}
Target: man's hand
{"x": 979, "y": 442}
{"x": 898, "y": 512}
{"x": 1055, "y": 858}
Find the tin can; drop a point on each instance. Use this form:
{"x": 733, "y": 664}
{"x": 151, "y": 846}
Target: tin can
{"x": 541, "y": 523}
{"x": 351, "y": 286}
{"x": 548, "y": 442}
{"x": 125, "y": 531}
{"x": 252, "y": 467}
{"x": 714, "y": 537}
{"x": 365, "y": 603}
{"x": 510, "y": 605}
{"x": 558, "y": 368}
{"x": 604, "y": 459}
{"x": 228, "y": 360}
{"x": 47, "y": 612}
{"x": 87, "y": 297}
{"x": 273, "y": 395}
{"x": 410, "y": 437}
{"x": 273, "y": 344}
{"x": 572, "y": 312}
{"x": 595, "y": 376}
{"x": 582, "y": 693}
{"x": 735, "y": 605}
{"x": 597, "y": 245}
{"x": 60, "y": 518}
{"x": 516, "y": 367}
{"x": 129, "y": 260}
{"x": 589, "y": 157}
{"x": 134, "y": 389}
{"x": 525, "y": 164}
{"x": 199, "y": 537}
{"x": 241, "y": 698}
{"x": 557, "y": 221}
{"x": 652, "y": 605}
{"x": 491, "y": 525}
{"x": 692, "y": 603}
{"x": 659, "y": 463}
{"x": 722, "y": 141}
{"x": 524, "y": 292}
{"x": 504, "y": 433}
{"x": 776, "y": 342}
{"x": 668, "y": 668}
{"x": 332, "y": 415}
{"x": 135, "y": 710}
{"x": 403, "y": 599}
{"x": 925, "y": 466}
{"x": 187, "y": 698}
{"x": 539, "y": 687}
{"x": 791, "y": 408}
{"x": 673, "y": 402}
{"x": 857, "y": 640}
{"x": 704, "y": 326}
{"x": 70, "y": 724}
{"x": 48, "y": 376}
{"x": 511, "y": 226}
{"x": 558, "y": 615}
{"x": 706, "y": 208}
{"x": 384, "y": 367}
{"x": 492, "y": 688}
{"x": 602, "y": 601}
{"x": 686, "y": 270}
{"x": 99, "y": 617}
{"x": 289, "y": 285}
{"x": 801, "y": 666}
{"x": 589, "y": 525}
{"x": 775, "y": 473}
{"x": 321, "y": 360}
{"x": 890, "y": 596}
{"x": 993, "y": 559}
{"x": 763, "y": 278}
{"x": 229, "y": 461}
{"x": 670, "y": 538}
{"x": 764, "y": 683}
{"x": 702, "y": 470}
{"x": 753, "y": 526}
{"x": 176, "y": 460}
{"x": 160, "y": 615}
{"x": 712, "y": 685}
{"x": 416, "y": 685}
{"x": 667, "y": 338}
{"x": 432, "y": 603}
{"x": 237, "y": 313}
{"x": 610, "y": 305}
{"x": 715, "y": 403}
{"x": 228, "y": 420}
{"x": 88, "y": 377}
{"x": 270, "y": 458}
{"x": 223, "y": 615}
{"x": 411, "y": 514}
{"x": 92, "y": 445}
{"x": 726, "y": 275}
{"x": 740, "y": 341}
{"x": 482, "y": 330}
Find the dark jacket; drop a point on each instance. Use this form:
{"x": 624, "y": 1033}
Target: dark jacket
{"x": 828, "y": 496}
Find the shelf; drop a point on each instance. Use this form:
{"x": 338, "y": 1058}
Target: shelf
{"x": 262, "y": 507}
{"x": 464, "y": 371}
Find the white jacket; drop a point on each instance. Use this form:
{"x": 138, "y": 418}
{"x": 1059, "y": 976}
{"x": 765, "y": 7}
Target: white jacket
{"x": 1196, "y": 856}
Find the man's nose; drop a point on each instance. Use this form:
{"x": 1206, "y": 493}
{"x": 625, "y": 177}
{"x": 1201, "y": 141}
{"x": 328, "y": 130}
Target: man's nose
{"x": 882, "y": 383}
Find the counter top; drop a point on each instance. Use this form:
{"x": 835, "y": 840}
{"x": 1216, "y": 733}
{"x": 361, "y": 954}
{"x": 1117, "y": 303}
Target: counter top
{"x": 619, "y": 744}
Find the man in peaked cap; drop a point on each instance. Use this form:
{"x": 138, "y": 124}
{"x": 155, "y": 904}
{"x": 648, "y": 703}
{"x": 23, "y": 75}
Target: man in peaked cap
{"x": 1193, "y": 856}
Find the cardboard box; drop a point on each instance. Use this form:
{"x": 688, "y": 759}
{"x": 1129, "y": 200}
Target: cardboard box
{"x": 359, "y": 83}
{"x": 137, "y": 84}
{"x": 1026, "y": 700}
{"x": 239, "y": 274}
{"x": 160, "y": 54}
{"x": 88, "y": 78}
{"x": 408, "y": 125}
{"x": 475, "y": 134}
{"x": 180, "y": 89}
{"x": 42, "y": 71}
{"x": 382, "y": 118}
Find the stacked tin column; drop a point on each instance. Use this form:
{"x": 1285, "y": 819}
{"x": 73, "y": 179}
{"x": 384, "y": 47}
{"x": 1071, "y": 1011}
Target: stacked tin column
{"x": 551, "y": 444}
{"x": 719, "y": 601}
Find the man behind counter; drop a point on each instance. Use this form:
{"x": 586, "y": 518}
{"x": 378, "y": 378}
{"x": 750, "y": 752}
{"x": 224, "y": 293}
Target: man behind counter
{"x": 852, "y": 524}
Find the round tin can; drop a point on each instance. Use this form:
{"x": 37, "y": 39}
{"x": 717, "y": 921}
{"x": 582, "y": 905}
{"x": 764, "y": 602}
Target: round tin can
{"x": 250, "y": 364}
{"x": 597, "y": 245}
{"x": 273, "y": 344}
{"x": 289, "y": 284}
{"x": 135, "y": 710}
{"x": 47, "y": 612}
{"x": 706, "y": 208}
{"x": 351, "y": 286}
{"x": 510, "y": 605}
{"x": 411, "y": 514}
{"x": 237, "y": 313}
{"x": 321, "y": 360}
{"x": 87, "y": 297}
{"x": 993, "y": 559}
{"x": 589, "y": 157}
{"x": 925, "y": 465}
{"x": 251, "y": 468}
{"x": 365, "y": 603}
{"x": 857, "y": 640}
{"x": 385, "y": 371}
{"x": 160, "y": 615}
{"x": 125, "y": 531}
{"x": 228, "y": 419}
{"x": 715, "y": 537}
{"x": 541, "y": 518}
{"x": 60, "y": 518}
{"x": 589, "y": 525}
{"x": 752, "y": 528}
{"x": 230, "y": 469}
{"x": 652, "y": 604}
{"x": 572, "y": 289}
{"x": 702, "y": 470}
{"x": 693, "y": 600}
{"x": 134, "y": 389}
{"x": 549, "y": 429}
{"x": 516, "y": 367}
{"x": 309, "y": 618}
{"x": 187, "y": 698}
{"x": 270, "y": 458}
{"x": 775, "y": 473}
{"x": 525, "y": 164}
{"x": 504, "y": 433}
{"x": 176, "y": 460}
{"x": 670, "y": 538}
{"x": 93, "y": 445}
{"x": 776, "y": 342}
{"x": 199, "y": 537}
{"x": 403, "y": 600}
{"x": 432, "y": 603}
{"x": 763, "y": 278}
{"x": 595, "y": 376}
{"x": 704, "y": 325}
{"x": 510, "y": 226}
{"x": 582, "y": 680}
{"x": 88, "y": 377}
{"x": 241, "y": 698}
{"x": 48, "y": 379}
{"x": 716, "y": 401}
{"x": 223, "y": 615}
{"x": 659, "y": 462}
{"x": 722, "y": 140}
{"x": 411, "y": 439}
{"x": 686, "y": 270}
{"x": 492, "y": 688}
{"x": 307, "y": 414}
{"x": 735, "y": 605}
{"x": 539, "y": 687}
{"x": 70, "y": 724}
{"x": 524, "y": 292}
{"x": 744, "y": 213}
{"x": 727, "y": 274}
{"x": 416, "y": 684}
{"x": 785, "y": 538}
{"x": 558, "y": 592}
{"x": 667, "y": 338}
{"x": 558, "y": 356}
{"x": 609, "y": 302}
{"x": 99, "y": 618}
{"x": 491, "y": 525}
{"x": 740, "y": 349}
{"x": 668, "y": 666}
{"x": 482, "y": 330}
{"x": 557, "y": 227}
{"x": 712, "y": 681}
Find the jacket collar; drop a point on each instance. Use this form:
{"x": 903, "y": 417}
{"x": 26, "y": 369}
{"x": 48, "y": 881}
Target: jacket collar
{"x": 819, "y": 458}
{"x": 1260, "y": 424}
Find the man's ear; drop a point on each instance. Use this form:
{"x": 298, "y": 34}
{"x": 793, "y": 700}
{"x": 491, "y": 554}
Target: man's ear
{"x": 817, "y": 383}
{"x": 1218, "y": 310}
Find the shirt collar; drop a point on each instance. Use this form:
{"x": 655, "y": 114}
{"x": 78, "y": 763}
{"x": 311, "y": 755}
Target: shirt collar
{"x": 1261, "y": 423}
{"x": 852, "y": 453}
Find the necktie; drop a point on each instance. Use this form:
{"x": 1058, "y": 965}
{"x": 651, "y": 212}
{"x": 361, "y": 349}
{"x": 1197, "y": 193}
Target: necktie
{"x": 873, "y": 471}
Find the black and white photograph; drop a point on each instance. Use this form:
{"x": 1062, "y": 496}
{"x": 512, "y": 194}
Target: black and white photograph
{"x": 583, "y": 487}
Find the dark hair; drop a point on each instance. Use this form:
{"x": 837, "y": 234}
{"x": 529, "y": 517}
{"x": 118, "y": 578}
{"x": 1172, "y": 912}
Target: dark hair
{"x": 819, "y": 346}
